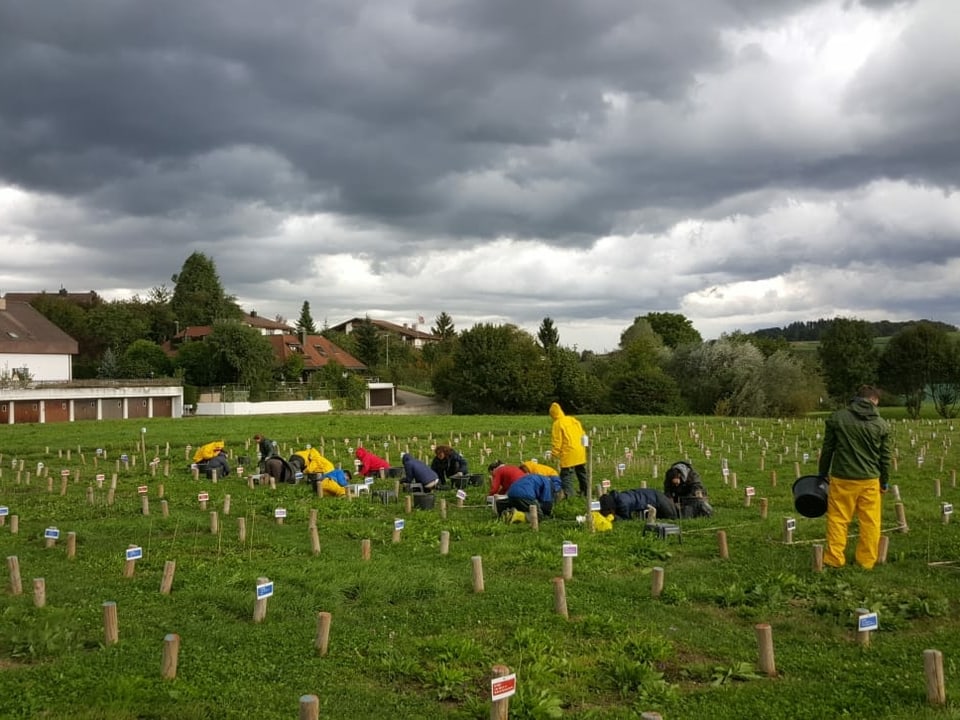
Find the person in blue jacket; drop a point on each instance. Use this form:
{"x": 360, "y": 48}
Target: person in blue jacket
{"x": 533, "y": 489}
{"x": 417, "y": 471}
{"x": 634, "y": 503}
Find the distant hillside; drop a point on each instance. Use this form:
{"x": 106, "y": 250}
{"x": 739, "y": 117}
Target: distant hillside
{"x": 811, "y": 330}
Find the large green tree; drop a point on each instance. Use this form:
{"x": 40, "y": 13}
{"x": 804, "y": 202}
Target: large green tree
{"x": 199, "y": 297}
{"x": 548, "y": 335}
{"x": 305, "y": 321}
{"x": 144, "y": 359}
{"x": 673, "y": 328}
{"x": 847, "y": 356}
{"x": 918, "y": 360}
{"x": 443, "y": 326}
{"x": 367, "y": 342}
{"x": 495, "y": 369}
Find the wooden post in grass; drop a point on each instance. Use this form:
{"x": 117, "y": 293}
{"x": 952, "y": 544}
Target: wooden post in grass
{"x": 788, "y": 524}
{"x": 365, "y": 549}
{"x": 953, "y": 478}
{"x": 129, "y": 566}
{"x": 171, "y": 653}
{"x": 933, "y": 671}
{"x": 500, "y": 709}
{"x": 323, "y": 633}
{"x": 442, "y": 508}
{"x": 477, "y": 563}
{"x": 818, "y": 558}
{"x": 242, "y": 530}
{"x": 214, "y": 522}
{"x": 39, "y": 592}
{"x": 309, "y": 707}
{"x": 226, "y": 505}
{"x": 166, "y": 582}
{"x": 764, "y": 506}
{"x": 145, "y": 504}
{"x": 71, "y": 545}
{"x": 533, "y": 515}
{"x": 13, "y": 566}
{"x": 936, "y": 487}
{"x": 765, "y": 645}
{"x": 408, "y": 504}
{"x": 773, "y": 478}
{"x": 14, "y": 524}
{"x": 314, "y": 540}
{"x": 260, "y": 606}
{"x": 164, "y": 508}
{"x": 863, "y": 636}
{"x": 312, "y": 521}
{"x": 722, "y": 543}
{"x": 901, "y": 518}
{"x": 90, "y": 497}
{"x": 882, "y": 547}
{"x": 444, "y": 542}
{"x": 560, "y": 597}
{"x": 111, "y": 631}
{"x": 656, "y": 582}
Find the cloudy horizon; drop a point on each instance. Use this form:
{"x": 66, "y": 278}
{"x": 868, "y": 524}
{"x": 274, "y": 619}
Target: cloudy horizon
{"x": 747, "y": 163}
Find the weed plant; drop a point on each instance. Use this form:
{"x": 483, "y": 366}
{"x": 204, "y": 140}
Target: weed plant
{"x": 409, "y": 637}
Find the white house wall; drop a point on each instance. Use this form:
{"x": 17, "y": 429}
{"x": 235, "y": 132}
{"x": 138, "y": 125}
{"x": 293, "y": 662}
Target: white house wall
{"x": 42, "y": 368}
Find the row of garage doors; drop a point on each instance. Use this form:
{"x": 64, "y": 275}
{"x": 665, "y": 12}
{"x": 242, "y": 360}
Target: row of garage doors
{"x": 50, "y": 411}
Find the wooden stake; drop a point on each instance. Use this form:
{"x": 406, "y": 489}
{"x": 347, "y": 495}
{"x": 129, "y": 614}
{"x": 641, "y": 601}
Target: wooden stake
{"x": 764, "y": 505}
{"x": 901, "y": 518}
{"x": 309, "y": 707}
{"x": 242, "y": 530}
{"x": 365, "y": 549}
{"x": 882, "y": 548}
{"x": 560, "y": 597}
{"x": 442, "y": 508}
{"x": 39, "y": 592}
{"x": 314, "y": 540}
{"x": 567, "y": 566}
{"x": 444, "y": 542}
{"x": 933, "y": 671}
{"x": 863, "y": 636}
{"x": 226, "y": 505}
{"x": 13, "y": 566}
{"x": 323, "y": 633}
{"x": 477, "y": 563}
{"x": 722, "y": 543}
{"x": 71, "y": 545}
{"x": 656, "y": 582}
{"x": 260, "y": 606}
{"x": 166, "y": 582}
{"x": 500, "y": 710}
{"x": 111, "y": 631}
{"x": 214, "y": 522}
{"x": 818, "y": 558}
{"x": 164, "y": 508}
{"x": 533, "y": 516}
{"x": 171, "y": 653}
{"x": 765, "y": 645}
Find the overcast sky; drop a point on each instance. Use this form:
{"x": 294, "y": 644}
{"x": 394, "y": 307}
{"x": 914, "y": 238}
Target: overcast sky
{"x": 748, "y": 163}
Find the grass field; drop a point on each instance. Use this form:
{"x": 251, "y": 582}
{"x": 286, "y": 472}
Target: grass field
{"x": 410, "y": 635}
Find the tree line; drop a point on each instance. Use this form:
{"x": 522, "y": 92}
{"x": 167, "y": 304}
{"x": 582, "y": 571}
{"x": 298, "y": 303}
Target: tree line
{"x": 661, "y": 365}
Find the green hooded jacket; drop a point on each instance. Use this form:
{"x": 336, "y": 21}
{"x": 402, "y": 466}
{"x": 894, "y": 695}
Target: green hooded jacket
{"x": 856, "y": 444}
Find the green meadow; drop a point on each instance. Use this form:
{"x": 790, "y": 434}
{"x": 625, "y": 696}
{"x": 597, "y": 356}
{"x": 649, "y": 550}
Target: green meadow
{"x": 411, "y": 634}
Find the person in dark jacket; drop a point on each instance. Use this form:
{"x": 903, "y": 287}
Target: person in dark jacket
{"x": 855, "y": 456}
{"x": 280, "y": 470}
{"x": 629, "y": 504}
{"x": 266, "y": 447}
{"x": 218, "y": 462}
{"x": 683, "y": 485}
{"x": 448, "y": 463}
{"x": 417, "y": 471}
{"x": 533, "y": 489}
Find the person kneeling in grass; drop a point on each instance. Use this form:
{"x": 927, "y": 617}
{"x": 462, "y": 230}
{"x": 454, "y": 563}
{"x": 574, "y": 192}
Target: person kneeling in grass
{"x": 531, "y": 490}
{"x": 628, "y": 504}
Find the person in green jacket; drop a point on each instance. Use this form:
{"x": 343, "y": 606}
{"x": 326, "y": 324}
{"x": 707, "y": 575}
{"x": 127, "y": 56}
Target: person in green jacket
{"x": 856, "y": 458}
{"x": 566, "y": 440}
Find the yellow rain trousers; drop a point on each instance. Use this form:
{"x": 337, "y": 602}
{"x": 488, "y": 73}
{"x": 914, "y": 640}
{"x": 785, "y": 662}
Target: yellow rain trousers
{"x": 845, "y": 499}
{"x": 331, "y": 488}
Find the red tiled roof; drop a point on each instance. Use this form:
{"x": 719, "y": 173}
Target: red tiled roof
{"x": 317, "y": 351}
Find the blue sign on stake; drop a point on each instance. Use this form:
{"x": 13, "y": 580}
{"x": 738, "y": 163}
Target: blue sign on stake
{"x": 51, "y": 533}
{"x": 265, "y": 590}
{"x": 4, "y": 510}
{"x": 398, "y": 524}
{"x": 867, "y": 622}
{"x": 134, "y": 553}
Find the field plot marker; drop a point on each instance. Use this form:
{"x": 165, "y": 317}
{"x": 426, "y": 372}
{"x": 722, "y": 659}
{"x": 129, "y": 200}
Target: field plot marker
{"x": 477, "y": 563}
{"x": 309, "y": 707}
{"x": 111, "y": 631}
{"x": 765, "y": 645}
{"x": 13, "y": 566}
{"x": 933, "y": 671}
{"x": 323, "y": 633}
{"x": 171, "y": 653}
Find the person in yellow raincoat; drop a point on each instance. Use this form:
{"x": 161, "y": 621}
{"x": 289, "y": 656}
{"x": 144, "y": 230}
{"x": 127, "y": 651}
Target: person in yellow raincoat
{"x": 208, "y": 451}
{"x": 566, "y": 441}
{"x": 312, "y": 462}
{"x": 856, "y": 458}
{"x": 538, "y": 468}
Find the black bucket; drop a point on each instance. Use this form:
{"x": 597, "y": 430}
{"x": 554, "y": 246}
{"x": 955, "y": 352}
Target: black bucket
{"x": 423, "y": 501}
{"x": 810, "y": 495}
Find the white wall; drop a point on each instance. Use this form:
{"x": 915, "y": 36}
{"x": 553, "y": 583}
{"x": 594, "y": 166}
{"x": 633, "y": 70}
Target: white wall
{"x": 43, "y": 368}
{"x": 277, "y": 407}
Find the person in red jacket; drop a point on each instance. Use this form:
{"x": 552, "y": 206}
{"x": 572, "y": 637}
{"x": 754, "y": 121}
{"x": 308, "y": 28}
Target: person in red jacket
{"x": 370, "y": 464}
{"x": 502, "y": 476}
